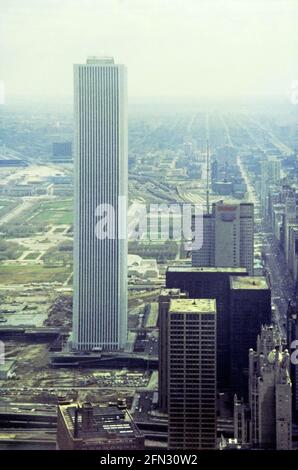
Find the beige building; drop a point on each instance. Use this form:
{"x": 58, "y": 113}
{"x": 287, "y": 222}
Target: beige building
{"x": 228, "y": 237}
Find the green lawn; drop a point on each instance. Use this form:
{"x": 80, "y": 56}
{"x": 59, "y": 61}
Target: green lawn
{"x": 54, "y": 212}
{"x": 6, "y": 205}
{"x": 53, "y": 217}
{"x": 17, "y": 274}
{"x": 32, "y": 255}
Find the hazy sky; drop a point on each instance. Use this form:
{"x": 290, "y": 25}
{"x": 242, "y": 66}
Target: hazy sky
{"x": 172, "y": 48}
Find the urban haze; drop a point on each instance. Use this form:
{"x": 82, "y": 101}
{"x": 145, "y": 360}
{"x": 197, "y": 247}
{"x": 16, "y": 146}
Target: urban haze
{"x": 149, "y": 227}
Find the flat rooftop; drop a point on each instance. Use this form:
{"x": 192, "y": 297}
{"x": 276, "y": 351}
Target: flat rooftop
{"x": 199, "y": 269}
{"x": 101, "y": 60}
{"x": 165, "y": 292}
{"x": 193, "y": 306}
{"x": 108, "y": 421}
{"x": 230, "y": 201}
{"x": 249, "y": 282}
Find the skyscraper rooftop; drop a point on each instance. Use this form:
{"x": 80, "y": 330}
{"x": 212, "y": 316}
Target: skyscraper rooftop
{"x": 197, "y": 269}
{"x": 91, "y": 60}
{"x": 249, "y": 282}
{"x": 193, "y": 306}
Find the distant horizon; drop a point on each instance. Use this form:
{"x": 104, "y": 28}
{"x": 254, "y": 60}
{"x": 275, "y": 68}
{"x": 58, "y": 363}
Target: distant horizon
{"x": 275, "y": 99}
{"x": 170, "y": 47}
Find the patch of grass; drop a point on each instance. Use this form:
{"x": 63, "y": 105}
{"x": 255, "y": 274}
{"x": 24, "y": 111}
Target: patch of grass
{"x": 17, "y": 274}
{"x": 53, "y": 217}
{"x": 32, "y": 255}
{"x": 7, "y": 205}
{"x": 64, "y": 204}
{"x": 49, "y": 213}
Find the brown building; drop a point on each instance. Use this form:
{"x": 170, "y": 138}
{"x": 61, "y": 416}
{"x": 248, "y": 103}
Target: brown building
{"x": 87, "y": 427}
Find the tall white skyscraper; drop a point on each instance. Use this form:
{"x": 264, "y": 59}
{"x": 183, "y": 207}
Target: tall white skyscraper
{"x": 100, "y": 258}
{"x": 228, "y": 237}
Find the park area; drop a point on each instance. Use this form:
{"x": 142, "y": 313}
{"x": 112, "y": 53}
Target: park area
{"x": 53, "y": 213}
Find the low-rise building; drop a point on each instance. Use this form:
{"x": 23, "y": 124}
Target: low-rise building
{"x": 142, "y": 268}
{"x": 88, "y": 427}
{"x": 7, "y": 369}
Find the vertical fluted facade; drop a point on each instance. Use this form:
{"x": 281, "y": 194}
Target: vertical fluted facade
{"x": 100, "y": 259}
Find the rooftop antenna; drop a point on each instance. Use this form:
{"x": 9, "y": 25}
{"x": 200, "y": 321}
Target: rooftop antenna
{"x": 208, "y": 174}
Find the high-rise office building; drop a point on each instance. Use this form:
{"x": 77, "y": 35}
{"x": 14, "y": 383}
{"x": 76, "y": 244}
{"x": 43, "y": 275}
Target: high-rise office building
{"x": 192, "y": 374}
{"x": 292, "y": 343}
{"x": 292, "y": 233}
{"x": 250, "y": 308}
{"x": 188, "y": 149}
{"x": 100, "y": 242}
{"x": 270, "y": 393}
{"x": 241, "y": 421}
{"x": 228, "y": 237}
{"x": 165, "y": 297}
{"x": 290, "y": 219}
{"x": 210, "y": 283}
{"x": 270, "y": 167}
